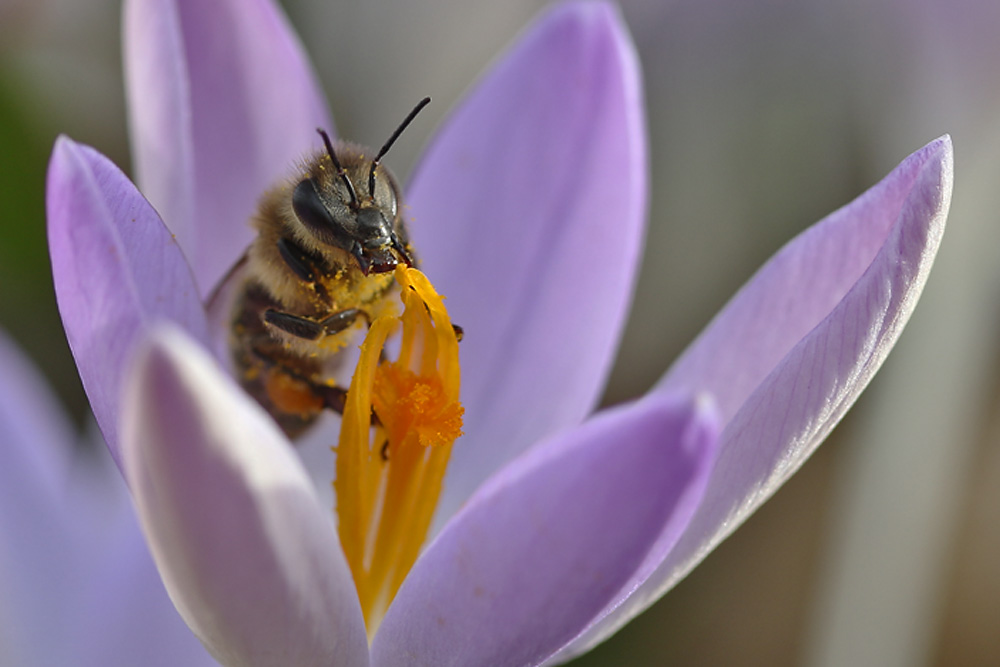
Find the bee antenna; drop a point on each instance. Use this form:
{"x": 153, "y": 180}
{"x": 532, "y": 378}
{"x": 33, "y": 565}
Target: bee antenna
{"x": 340, "y": 170}
{"x": 388, "y": 144}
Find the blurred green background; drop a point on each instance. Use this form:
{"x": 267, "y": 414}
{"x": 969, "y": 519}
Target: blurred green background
{"x": 764, "y": 115}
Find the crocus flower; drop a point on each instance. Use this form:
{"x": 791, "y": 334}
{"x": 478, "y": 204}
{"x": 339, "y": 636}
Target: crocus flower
{"x": 528, "y": 210}
{"x": 77, "y": 585}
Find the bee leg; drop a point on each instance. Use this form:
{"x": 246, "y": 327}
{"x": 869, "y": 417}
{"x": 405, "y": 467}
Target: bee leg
{"x": 302, "y": 327}
{"x": 459, "y": 331}
{"x": 302, "y": 264}
{"x": 297, "y": 259}
{"x": 334, "y": 398}
{"x": 299, "y": 327}
{"x": 343, "y": 320}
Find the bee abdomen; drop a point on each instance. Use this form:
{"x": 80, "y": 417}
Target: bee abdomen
{"x": 284, "y": 383}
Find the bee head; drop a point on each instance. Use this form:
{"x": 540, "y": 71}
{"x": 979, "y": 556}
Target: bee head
{"x": 364, "y": 227}
{"x": 366, "y": 224}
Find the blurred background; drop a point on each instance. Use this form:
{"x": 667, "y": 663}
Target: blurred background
{"x": 764, "y": 115}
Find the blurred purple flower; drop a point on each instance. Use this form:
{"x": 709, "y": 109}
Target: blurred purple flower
{"x": 77, "y": 585}
{"x": 528, "y": 208}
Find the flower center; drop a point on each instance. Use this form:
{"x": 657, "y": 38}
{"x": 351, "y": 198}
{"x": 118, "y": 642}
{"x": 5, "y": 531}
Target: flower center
{"x": 390, "y": 468}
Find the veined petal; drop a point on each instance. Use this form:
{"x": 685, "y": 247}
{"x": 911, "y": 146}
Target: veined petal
{"x": 249, "y": 557}
{"x": 529, "y": 212}
{"x": 221, "y": 101}
{"x": 551, "y": 539}
{"x": 796, "y": 346}
{"x": 35, "y": 577}
{"x": 116, "y": 269}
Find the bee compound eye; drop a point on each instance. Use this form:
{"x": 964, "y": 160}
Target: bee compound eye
{"x": 317, "y": 218}
{"x": 309, "y": 208}
{"x": 385, "y": 195}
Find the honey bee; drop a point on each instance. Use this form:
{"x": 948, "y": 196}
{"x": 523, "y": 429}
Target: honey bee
{"x": 328, "y": 240}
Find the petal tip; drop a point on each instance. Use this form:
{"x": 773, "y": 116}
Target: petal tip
{"x": 63, "y": 150}
{"x": 939, "y": 152}
{"x": 706, "y": 411}
{"x": 63, "y": 143}
{"x": 71, "y": 159}
{"x": 936, "y": 178}
{"x": 947, "y": 157}
{"x": 944, "y": 141}
{"x": 592, "y": 20}
{"x": 701, "y": 419}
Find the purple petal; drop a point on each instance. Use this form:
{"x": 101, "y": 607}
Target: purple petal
{"x": 808, "y": 278}
{"x": 59, "y": 562}
{"x": 222, "y": 101}
{"x": 35, "y": 573}
{"x": 117, "y": 611}
{"x": 823, "y": 313}
{"x": 137, "y": 623}
{"x": 116, "y": 269}
{"x": 33, "y": 429}
{"x": 250, "y": 558}
{"x": 529, "y": 211}
{"x": 551, "y": 540}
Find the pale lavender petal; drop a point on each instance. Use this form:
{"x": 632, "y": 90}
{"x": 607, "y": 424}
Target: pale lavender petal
{"x": 803, "y": 283}
{"x": 551, "y": 539}
{"x": 36, "y": 578}
{"x": 71, "y": 590}
{"x": 824, "y": 313}
{"x": 32, "y": 426}
{"x": 121, "y": 614}
{"x": 129, "y": 619}
{"x": 116, "y": 269}
{"x": 248, "y": 555}
{"x": 529, "y": 211}
{"x": 222, "y": 101}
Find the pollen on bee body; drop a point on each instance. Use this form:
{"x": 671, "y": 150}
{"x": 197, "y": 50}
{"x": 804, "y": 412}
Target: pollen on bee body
{"x": 290, "y": 395}
{"x": 389, "y": 473}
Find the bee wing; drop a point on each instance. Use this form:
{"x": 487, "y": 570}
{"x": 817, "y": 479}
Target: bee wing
{"x": 219, "y": 308}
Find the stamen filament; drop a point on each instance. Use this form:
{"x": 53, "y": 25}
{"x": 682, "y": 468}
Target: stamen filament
{"x": 389, "y": 476}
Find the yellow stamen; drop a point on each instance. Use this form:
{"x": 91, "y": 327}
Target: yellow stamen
{"x": 389, "y": 473}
